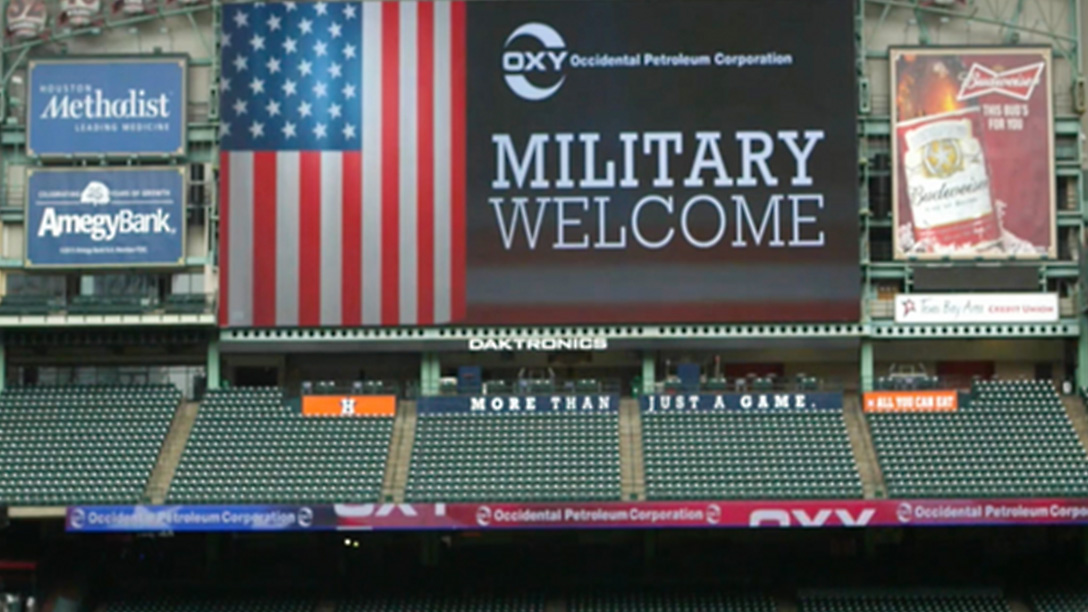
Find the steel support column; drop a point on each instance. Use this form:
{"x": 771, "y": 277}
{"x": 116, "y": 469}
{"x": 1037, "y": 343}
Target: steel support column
{"x": 866, "y": 365}
{"x": 649, "y": 371}
{"x": 430, "y": 372}
{"x": 213, "y": 365}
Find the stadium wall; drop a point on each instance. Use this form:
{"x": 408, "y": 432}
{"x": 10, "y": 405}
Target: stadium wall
{"x": 884, "y": 24}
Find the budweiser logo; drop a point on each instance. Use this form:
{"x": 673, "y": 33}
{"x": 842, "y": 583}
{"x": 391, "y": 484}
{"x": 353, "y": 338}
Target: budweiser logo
{"x": 1017, "y": 83}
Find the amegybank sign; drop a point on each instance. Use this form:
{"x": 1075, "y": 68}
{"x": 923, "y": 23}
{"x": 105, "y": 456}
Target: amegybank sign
{"x": 976, "y": 308}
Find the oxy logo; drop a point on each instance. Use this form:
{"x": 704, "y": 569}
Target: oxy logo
{"x": 905, "y": 512}
{"x": 518, "y": 64}
{"x": 77, "y": 518}
{"x": 825, "y": 517}
{"x": 483, "y": 516}
{"x": 713, "y": 514}
{"x": 305, "y": 517}
{"x": 374, "y": 510}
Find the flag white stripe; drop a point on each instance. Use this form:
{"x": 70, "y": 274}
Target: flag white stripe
{"x": 287, "y": 237}
{"x": 408, "y": 166}
{"x": 240, "y": 291}
{"x": 332, "y": 252}
{"x": 371, "y": 98}
{"x": 442, "y": 154}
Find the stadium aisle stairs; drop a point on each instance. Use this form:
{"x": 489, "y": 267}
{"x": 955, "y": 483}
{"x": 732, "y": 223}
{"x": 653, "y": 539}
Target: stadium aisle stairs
{"x": 1017, "y": 604}
{"x": 861, "y": 443}
{"x": 170, "y": 454}
{"x": 399, "y": 462}
{"x": 1078, "y": 416}
{"x": 632, "y": 462}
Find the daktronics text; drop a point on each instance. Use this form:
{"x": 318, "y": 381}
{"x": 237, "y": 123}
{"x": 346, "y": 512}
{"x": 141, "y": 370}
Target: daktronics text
{"x": 684, "y": 176}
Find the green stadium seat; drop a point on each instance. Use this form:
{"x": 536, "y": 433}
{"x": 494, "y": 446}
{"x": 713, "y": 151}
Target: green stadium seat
{"x": 515, "y": 457}
{"x": 109, "y": 304}
{"x": 249, "y": 446}
{"x": 14, "y": 305}
{"x": 1013, "y": 439}
{"x": 1067, "y": 600}
{"x": 185, "y": 303}
{"x": 222, "y": 604}
{"x": 81, "y": 444}
{"x": 916, "y": 600}
{"x": 683, "y": 601}
{"x": 748, "y": 455}
{"x": 446, "y": 603}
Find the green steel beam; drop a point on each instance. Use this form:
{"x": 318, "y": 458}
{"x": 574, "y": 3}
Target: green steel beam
{"x": 935, "y": 10}
{"x": 125, "y": 22}
{"x": 1012, "y": 35}
{"x": 867, "y": 366}
{"x": 649, "y": 372}
{"x": 920, "y": 21}
{"x": 213, "y": 365}
{"x": 881, "y": 125}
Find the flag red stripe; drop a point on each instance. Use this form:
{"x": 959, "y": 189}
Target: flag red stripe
{"x": 458, "y": 80}
{"x": 264, "y": 239}
{"x": 425, "y": 164}
{"x": 224, "y": 233}
{"x": 309, "y": 239}
{"x": 351, "y": 268}
{"x": 390, "y": 170}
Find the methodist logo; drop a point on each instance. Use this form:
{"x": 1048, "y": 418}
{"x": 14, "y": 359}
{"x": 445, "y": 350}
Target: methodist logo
{"x": 518, "y": 64}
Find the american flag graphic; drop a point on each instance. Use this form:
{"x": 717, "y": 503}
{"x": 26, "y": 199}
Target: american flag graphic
{"x": 342, "y": 180}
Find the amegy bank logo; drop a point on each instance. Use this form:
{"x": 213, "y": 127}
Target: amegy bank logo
{"x": 535, "y": 60}
{"x": 104, "y": 226}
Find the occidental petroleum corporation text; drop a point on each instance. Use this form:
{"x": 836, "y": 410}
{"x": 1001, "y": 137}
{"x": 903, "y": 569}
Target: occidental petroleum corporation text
{"x": 748, "y": 188}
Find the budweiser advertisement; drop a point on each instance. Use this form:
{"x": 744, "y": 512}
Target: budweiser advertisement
{"x": 810, "y": 514}
{"x": 911, "y": 401}
{"x": 973, "y": 153}
{"x": 976, "y": 308}
{"x": 538, "y": 162}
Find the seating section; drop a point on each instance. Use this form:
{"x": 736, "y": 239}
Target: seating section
{"x": 515, "y": 457}
{"x": 247, "y": 446}
{"x": 1060, "y": 601}
{"x": 440, "y": 603}
{"x": 1013, "y": 438}
{"x": 904, "y": 601}
{"x": 748, "y": 455}
{"x": 170, "y": 604}
{"x": 670, "y": 602}
{"x": 81, "y": 444}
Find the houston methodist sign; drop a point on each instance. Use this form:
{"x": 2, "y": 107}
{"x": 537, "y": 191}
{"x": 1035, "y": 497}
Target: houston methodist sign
{"x": 123, "y": 105}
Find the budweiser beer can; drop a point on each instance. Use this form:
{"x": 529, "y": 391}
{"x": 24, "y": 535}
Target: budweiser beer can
{"x": 948, "y": 183}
